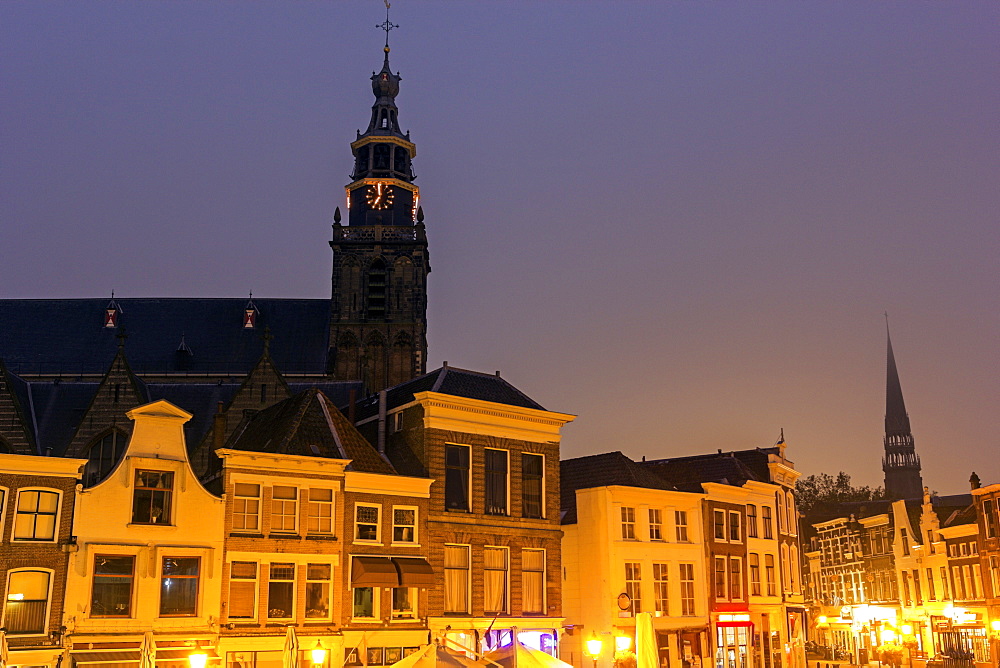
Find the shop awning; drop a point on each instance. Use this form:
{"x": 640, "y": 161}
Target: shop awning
{"x": 414, "y": 572}
{"x": 374, "y": 572}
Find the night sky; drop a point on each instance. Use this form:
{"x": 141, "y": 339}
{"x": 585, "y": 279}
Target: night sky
{"x": 681, "y": 221}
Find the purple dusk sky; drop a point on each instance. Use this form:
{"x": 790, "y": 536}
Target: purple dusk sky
{"x": 681, "y": 221}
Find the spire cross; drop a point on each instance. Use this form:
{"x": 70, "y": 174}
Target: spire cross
{"x": 387, "y": 25}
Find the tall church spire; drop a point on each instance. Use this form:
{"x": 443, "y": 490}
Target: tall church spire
{"x": 901, "y": 464}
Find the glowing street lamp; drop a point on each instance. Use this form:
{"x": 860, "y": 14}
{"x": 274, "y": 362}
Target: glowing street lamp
{"x": 594, "y": 647}
{"x": 318, "y": 654}
{"x": 197, "y": 659}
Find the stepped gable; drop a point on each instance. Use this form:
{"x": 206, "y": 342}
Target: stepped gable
{"x": 16, "y": 433}
{"x": 308, "y": 424}
{"x": 66, "y": 336}
{"x": 456, "y": 382}
{"x": 603, "y": 470}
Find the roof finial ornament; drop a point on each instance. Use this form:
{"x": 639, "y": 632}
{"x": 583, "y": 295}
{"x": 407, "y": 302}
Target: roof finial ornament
{"x": 387, "y": 25}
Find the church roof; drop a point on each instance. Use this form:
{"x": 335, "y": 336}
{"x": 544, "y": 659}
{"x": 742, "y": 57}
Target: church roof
{"x": 453, "y": 381}
{"x": 67, "y": 337}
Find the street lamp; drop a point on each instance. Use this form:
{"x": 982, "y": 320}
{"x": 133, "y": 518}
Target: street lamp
{"x": 594, "y": 647}
{"x": 197, "y": 658}
{"x": 318, "y": 654}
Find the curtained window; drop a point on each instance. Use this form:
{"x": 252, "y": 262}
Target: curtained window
{"x": 533, "y": 581}
{"x": 687, "y": 589}
{"x": 318, "y": 590}
{"x": 151, "y": 500}
{"x": 456, "y": 578}
{"x": 495, "y": 569}
{"x": 633, "y": 585}
{"x": 27, "y": 602}
{"x": 661, "y": 591}
{"x": 242, "y": 590}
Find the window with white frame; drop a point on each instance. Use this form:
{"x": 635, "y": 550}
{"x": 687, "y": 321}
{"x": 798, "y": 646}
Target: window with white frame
{"x": 496, "y": 469}
{"x": 533, "y": 581}
{"x": 246, "y": 507}
{"x": 366, "y": 521}
{"x": 681, "y": 525}
{"x": 772, "y": 588}
{"x": 784, "y": 568}
{"x": 735, "y": 579}
{"x": 284, "y": 509}
{"x": 687, "y": 589}
{"x": 318, "y": 578}
{"x": 35, "y": 517}
{"x": 404, "y": 524}
{"x": 735, "y": 533}
{"x": 365, "y": 602}
{"x": 721, "y": 592}
{"x": 628, "y": 523}
{"x": 793, "y": 568}
{"x": 751, "y": 520}
{"x": 661, "y": 589}
{"x": 111, "y": 590}
{"x": 456, "y": 578}
{"x": 754, "y": 559}
{"x": 26, "y": 609}
{"x": 404, "y": 603}
{"x": 496, "y": 569}
{"x": 532, "y": 485}
{"x": 281, "y": 591}
{"x": 633, "y": 585}
{"x": 781, "y": 511}
{"x": 793, "y": 520}
{"x": 320, "y": 519}
{"x": 655, "y": 524}
{"x": 719, "y": 524}
{"x": 765, "y": 518}
{"x": 242, "y": 603}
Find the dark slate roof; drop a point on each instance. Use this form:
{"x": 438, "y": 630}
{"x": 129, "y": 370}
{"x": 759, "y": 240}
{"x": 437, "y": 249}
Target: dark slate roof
{"x": 57, "y": 408}
{"x": 726, "y": 468}
{"x": 456, "y": 382}
{"x": 66, "y": 336}
{"x": 308, "y": 424}
{"x": 603, "y": 470}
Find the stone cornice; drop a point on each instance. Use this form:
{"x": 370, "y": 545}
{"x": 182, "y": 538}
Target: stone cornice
{"x": 35, "y": 465}
{"x": 450, "y": 413}
{"x": 281, "y": 463}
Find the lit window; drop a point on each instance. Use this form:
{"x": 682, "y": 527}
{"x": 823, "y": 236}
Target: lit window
{"x": 456, "y": 478}
{"x": 318, "y": 590}
{"x": 112, "y": 587}
{"x": 496, "y": 482}
{"x": 404, "y": 525}
{"x": 35, "y": 518}
{"x": 655, "y": 524}
{"x": 246, "y": 507}
{"x": 495, "y": 580}
{"x": 456, "y": 578}
{"x": 320, "y": 511}
{"x": 152, "y": 497}
{"x": 532, "y": 485}
{"x": 281, "y": 591}
{"x": 687, "y": 589}
{"x": 628, "y": 523}
{"x": 366, "y": 522}
{"x": 284, "y": 508}
{"x": 242, "y": 602}
{"x": 533, "y": 581}
{"x": 179, "y": 587}
{"x": 26, "y": 608}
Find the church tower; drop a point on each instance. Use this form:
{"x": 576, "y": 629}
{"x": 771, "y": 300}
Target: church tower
{"x": 901, "y": 464}
{"x": 378, "y": 324}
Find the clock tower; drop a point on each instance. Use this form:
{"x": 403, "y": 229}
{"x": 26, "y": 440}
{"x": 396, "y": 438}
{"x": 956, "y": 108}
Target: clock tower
{"x": 378, "y": 324}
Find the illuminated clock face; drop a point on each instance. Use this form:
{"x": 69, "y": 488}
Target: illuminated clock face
{"x": 380, "y": 196}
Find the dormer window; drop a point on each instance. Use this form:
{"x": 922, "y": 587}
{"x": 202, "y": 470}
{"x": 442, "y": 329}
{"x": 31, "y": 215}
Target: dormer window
{"x": 152, "y": 497}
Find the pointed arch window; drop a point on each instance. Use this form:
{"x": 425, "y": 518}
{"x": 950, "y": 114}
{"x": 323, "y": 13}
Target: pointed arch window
{"x": 103, "y": 456}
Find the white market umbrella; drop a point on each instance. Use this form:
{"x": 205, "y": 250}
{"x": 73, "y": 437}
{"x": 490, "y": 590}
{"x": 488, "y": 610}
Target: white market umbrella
{"x": 290, "y": 652}
{"x": 646, "y": 655}
{"x": 4, "y": 657}
{"x": 147, "y": 651}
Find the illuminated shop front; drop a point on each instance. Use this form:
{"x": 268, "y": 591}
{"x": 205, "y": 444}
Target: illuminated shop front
{"x": 733, "y": 644}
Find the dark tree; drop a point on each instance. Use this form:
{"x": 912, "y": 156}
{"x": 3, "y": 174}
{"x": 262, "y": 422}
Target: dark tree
{"x": 824, "y": 489}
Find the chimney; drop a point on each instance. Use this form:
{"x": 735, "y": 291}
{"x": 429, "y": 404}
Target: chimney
{"x": 974, "y": 480}
{"x": 381, "y": 421}
{"x": 218, "y": 427}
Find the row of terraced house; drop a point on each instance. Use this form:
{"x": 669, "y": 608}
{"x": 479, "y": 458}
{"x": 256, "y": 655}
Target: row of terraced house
{"x": 436, "y": 510}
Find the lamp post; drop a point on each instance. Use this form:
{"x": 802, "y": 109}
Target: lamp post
{"x": 594, "y": 647}
{"x": 197, "y": 658}
{"x": 318, "y": 654}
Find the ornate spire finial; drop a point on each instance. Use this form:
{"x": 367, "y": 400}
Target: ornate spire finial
{"x": 386, "y": 25}
{"x": 121, "y": 336}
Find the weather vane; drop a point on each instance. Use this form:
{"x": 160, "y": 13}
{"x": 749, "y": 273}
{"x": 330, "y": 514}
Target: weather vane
{"x": 387, "y": 25}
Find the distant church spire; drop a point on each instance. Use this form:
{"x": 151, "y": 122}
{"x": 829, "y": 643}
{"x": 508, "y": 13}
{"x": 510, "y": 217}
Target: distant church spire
{"x": 901, "y": 464}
